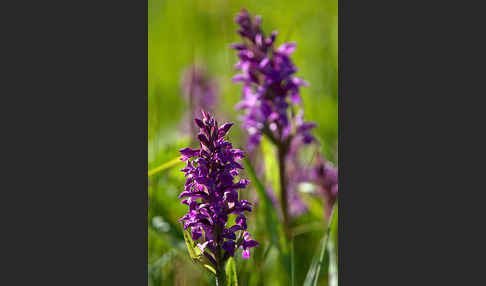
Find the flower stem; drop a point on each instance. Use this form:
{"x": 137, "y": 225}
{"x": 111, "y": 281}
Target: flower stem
{"x": 282, "y": 152}
{"x": 220, "y": 278}
{"x": 220, "y": 275}
{"x": 220, "y": 271}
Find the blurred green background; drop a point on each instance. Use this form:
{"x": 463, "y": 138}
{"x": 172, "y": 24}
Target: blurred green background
{"x": 182, "y": 32}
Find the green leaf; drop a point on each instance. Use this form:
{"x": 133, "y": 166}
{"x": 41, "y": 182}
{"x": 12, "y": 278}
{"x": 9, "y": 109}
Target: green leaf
{"x": 272, "y": 221}
{"x": 194, "y": 251}
{"x": 271, "y": 164}
{"x": 318, "y": 261}
{"x": 314, "y": 204}
{"x": 231, "y": 277}
{"x": 208, "y": 266}
{"x": 164, "y": 166}
{"x": 292, "y": 263}
{"x": 333, "y": 268}
{"x": 333, "y": 255}
{"x": 196, "y": 254}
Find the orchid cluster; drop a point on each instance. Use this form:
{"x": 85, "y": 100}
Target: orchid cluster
{"x": 267, "y": 76}
{"x": 269, "y": 103}
{"x": 212, "y": 194}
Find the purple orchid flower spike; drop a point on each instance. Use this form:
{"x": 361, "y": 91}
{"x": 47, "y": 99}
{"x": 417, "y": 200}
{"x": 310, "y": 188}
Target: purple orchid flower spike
{"x": 270, "y": 90}
{"x": 268, "y": 81}
{"x": 211, "y": 193}
{"x": 200, "y": 91}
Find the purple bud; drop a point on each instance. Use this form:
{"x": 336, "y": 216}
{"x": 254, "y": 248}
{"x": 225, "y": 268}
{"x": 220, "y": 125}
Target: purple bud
{"x": 241, "y": 221}
{"x": 224, "y": 129}
{"x": 306, "y": 126}
{"x": 239, "y": 77}
{"x": 204, "y": 140}
{"x": 299, "y": 82}
{"x": 238, "y": 46}
{"x": 287, "y": 48}
{"x": 188, "y": 153}
{"x": 199, "y": 122}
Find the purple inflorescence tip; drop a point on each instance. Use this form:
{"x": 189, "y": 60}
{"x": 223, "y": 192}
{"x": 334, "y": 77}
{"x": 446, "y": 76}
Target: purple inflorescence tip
{"x": 267, "y": 77}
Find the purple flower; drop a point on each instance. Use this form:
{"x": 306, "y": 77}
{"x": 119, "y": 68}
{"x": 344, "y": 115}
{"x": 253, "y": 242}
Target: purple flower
{"x": 325, "y": 175}
{"x": 271, "y": 92}
{"x": 198, "y": 88}
{"x": 268, "y": 82}
{"x": 211, "y": 192}
{"x": 200, "y": 92}
{"x": 246, "y": 244}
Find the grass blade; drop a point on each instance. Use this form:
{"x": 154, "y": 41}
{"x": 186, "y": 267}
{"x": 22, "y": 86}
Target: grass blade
{"x": 333, "y": 269}
{"x": 333, "y": 255}
{"x": 231, "y": 276}
{"x": 272, "y": 221}
{"x": 292, "y": 263}
{"x": 271, "y": 218}
{"x": 164, "y": 166}
{"x": 318, "y": 261}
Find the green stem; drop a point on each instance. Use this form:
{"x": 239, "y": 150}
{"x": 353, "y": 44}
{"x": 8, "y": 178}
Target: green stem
{"x": 220, "y": 277}
{"x": 220, "y": 271}
{"x": 282, "y": 152}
